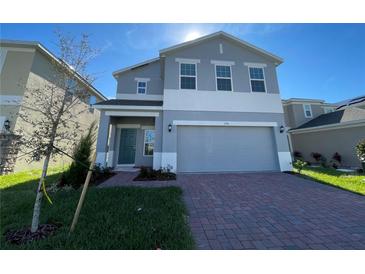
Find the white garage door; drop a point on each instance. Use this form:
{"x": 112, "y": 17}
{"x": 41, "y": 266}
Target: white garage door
{"x": 214, "y": 149}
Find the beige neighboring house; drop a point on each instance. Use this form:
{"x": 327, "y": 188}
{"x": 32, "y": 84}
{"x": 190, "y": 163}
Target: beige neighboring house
{"x": 25, "y": 64}
{"x": 317, "y": 126}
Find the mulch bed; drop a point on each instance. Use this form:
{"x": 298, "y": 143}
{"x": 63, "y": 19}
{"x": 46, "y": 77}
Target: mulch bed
{"x": 97, "y": 179}
{"x": 22, "y": 236}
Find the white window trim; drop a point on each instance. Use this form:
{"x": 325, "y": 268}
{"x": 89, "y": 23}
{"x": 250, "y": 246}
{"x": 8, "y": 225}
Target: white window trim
{"x": 305, "y": 112}
{"x": 187, "y": 61}
{"x": 222, "y": 62}
{"x": 196, "y": 75}
{"x": 325, "y": 109}
{"x": 142, "y": 81}
{"x": 144, "y": 142}
{"x": 264, "y": 80}
{"x": 255, "y": 65}
{"x": 216, "y": 77}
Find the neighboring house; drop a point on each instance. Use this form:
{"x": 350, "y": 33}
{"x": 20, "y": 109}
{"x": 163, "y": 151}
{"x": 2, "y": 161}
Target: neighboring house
{"x": 329, "y": 130}
{"x": 25, "y": 65}
{"x": 298, "y": 111}
{"x": 208, "y": 105}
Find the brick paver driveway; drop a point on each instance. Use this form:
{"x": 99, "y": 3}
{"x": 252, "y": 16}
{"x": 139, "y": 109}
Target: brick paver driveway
{"x": 266, "y": 211}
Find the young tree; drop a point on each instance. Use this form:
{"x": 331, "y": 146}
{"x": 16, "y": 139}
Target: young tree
{"x": 51, "y": 108}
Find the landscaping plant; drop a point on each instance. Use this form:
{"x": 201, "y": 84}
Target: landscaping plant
{"x": 360, "y": 151}
{"x": 336, "y": 160}
{"x": 316, "y": 156}
{"x": 76, "y": 175}
{"x": 299, "y": 165}
{"x": 298, "y": 155}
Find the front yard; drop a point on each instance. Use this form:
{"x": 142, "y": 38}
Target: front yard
{"x": 349, "y": 181}
{"x": 112, "y": 218}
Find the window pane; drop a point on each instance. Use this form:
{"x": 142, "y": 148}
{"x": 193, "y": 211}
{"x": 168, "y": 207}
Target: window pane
{"x": 258, "y": 86}
{"x": 188, "y": 69}
{"x": 141, "y": 84}
{"x": 308, "y": 113}
{"x": 148, "y": 149}
{"x": 223, "y": 71}
{"x": 149, "y": 136}
{"x": 187, "y": 82}
{"x": 142, "y": 90}
{"x": 256, "y": 73}
{"x": 224, "y": 84}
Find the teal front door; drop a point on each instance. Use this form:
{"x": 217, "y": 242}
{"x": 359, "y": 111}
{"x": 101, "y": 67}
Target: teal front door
{"x": 127, "y": 146}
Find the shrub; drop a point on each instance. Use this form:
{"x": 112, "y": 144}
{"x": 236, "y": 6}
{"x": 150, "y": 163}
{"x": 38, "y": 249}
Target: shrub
{"x": 81, "y": 155}
{"x": 299, "y": 165}
{"x": 149, "y": 174}
{"x": 360, "y": 150}
{"x": 337, "y": 157}
{"x": 298, "y": 155}
{"x": 316, "y": 156}
{"x": 336, "y": 160}
{"x": 323, "y": 161}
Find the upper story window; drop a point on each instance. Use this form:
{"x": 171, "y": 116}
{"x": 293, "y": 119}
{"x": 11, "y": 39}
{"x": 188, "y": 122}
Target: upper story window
{"x": 257, "y": 79}
{"x": 328, "y": 109}
{"x": 307, "y": 111}
{"x": 141, "y": 87}
{"x": 187, "y": 76}
{"x": 223, "y": 77}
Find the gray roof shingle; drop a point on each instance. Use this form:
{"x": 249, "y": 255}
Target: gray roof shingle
{"x": 122, "y": 102}
{"x": 339, "y": 116}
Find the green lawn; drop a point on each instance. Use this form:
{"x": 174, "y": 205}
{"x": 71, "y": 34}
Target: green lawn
{"x": 113, "y": 218}
{"x": 349, "y": 181}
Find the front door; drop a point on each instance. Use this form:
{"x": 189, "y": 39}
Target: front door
{"x": 127, "y": 146}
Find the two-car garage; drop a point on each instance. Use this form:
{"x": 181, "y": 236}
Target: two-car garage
{"x": 226, "y": 148}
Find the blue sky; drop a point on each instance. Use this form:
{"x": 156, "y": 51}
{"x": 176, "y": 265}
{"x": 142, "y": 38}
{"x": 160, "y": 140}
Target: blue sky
{"x": 325, "y": 61}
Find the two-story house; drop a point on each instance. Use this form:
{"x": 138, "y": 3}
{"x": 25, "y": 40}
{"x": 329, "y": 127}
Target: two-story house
{"x": 26, "y": 65}
{"x": 318, "y": 127}
{"x": 208, "y": 105}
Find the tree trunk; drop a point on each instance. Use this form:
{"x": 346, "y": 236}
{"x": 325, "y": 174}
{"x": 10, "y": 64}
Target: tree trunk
{"x": 38, "y": 199}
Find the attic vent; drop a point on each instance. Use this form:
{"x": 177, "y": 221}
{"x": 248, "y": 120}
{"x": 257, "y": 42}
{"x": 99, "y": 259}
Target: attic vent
{"x": 141, "y": 66}
{"x": 220, "y": 48}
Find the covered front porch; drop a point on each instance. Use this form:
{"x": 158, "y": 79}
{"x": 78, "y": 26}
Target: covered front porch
{"x": 129, "y": 139}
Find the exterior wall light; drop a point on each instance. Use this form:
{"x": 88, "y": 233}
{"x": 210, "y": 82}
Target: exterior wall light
{"x": 169, "y": 127}
{"x": 7, "y": 124}
{"x": 282, "y": 129}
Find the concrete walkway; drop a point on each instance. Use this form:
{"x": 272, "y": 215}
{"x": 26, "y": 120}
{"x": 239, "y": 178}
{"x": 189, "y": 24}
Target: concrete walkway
{"x": 265, "y": 211}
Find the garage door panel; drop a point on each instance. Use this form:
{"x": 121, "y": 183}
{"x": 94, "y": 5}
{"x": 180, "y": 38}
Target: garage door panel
{"x": 209, "y": 149}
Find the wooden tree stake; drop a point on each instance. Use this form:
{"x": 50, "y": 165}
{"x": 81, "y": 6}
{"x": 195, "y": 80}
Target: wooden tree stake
{"x": 83, "y": 193}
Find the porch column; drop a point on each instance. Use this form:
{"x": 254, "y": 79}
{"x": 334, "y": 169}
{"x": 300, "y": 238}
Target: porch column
{"x": 102, "y": 141}
{"x": 111, "y": 146}
{"x": 157, "y": 153}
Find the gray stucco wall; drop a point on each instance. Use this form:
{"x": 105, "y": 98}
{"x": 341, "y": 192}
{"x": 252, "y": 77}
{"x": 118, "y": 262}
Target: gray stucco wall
{"x": 295, "y": 114}
{"x": 170, "y": 138}
{"x": 328, "y": 142}
{"x": 127, "y": 84}
{"x": 209, "y": 50}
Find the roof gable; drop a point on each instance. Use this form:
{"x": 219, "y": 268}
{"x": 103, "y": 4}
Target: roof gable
{"x": 277, "y": 60}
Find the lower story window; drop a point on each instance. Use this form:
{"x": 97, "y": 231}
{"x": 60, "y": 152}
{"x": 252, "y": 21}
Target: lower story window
{"x": 149, "y": 142}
